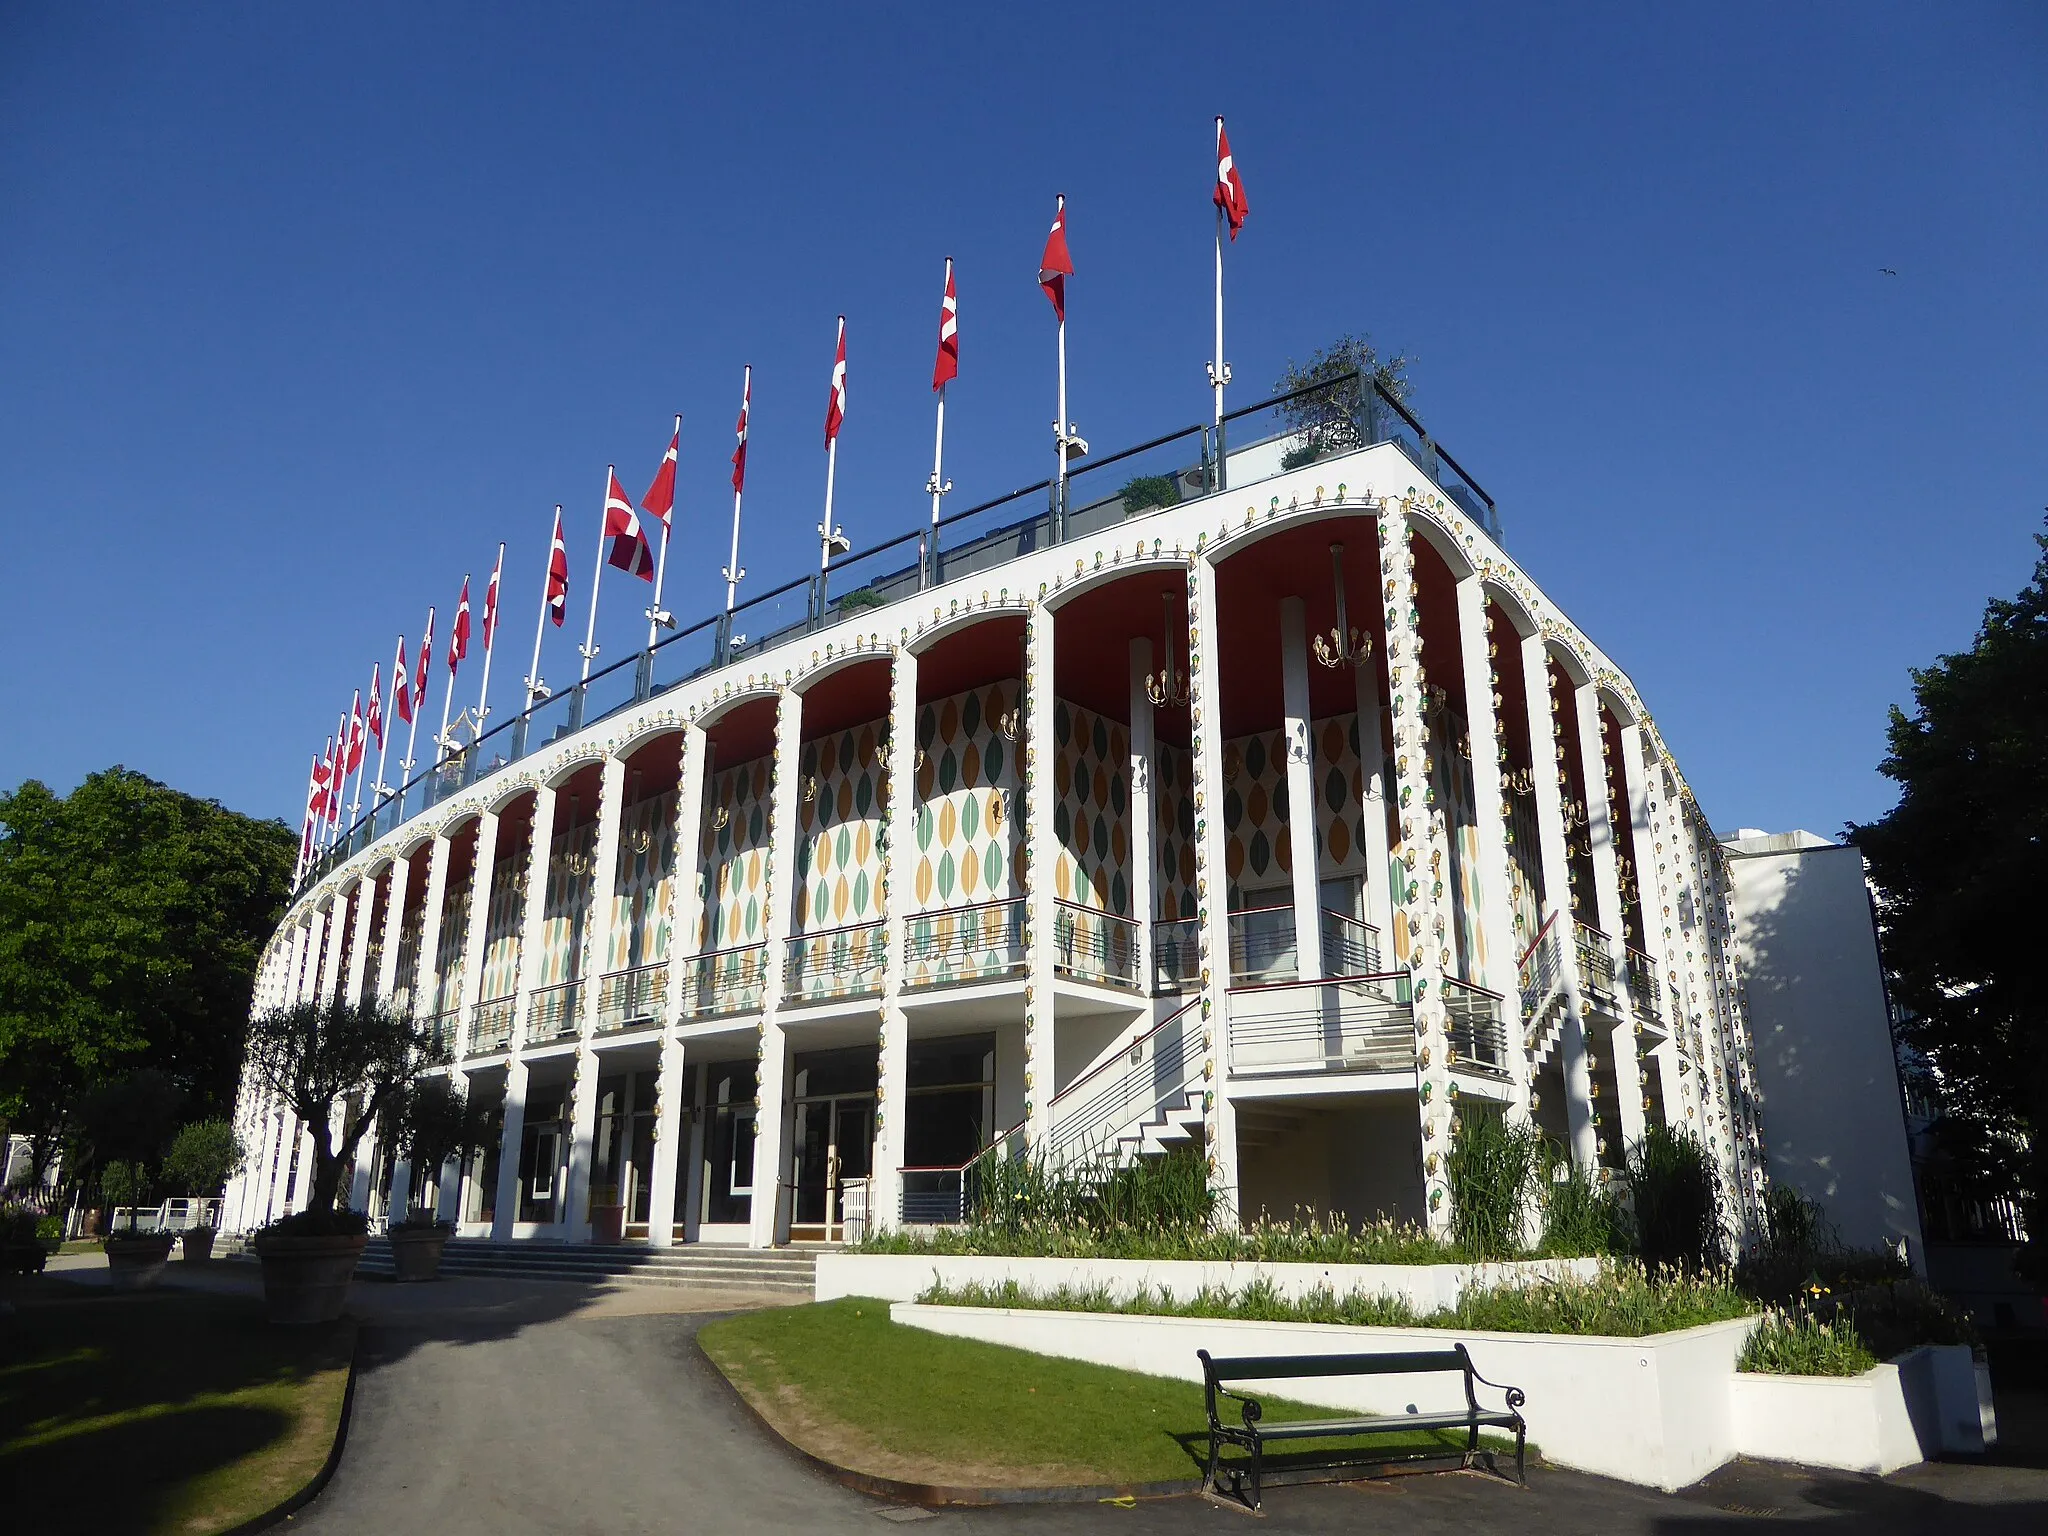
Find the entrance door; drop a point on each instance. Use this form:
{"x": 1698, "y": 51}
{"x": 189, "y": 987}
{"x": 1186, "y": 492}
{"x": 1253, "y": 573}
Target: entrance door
{"x": 833, "y": 1149}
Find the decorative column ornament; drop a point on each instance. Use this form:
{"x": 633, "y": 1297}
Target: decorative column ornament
{"x": 771, "y": 1119}
{"x": 899, "y": 864}
{"x": 1041, "y": 854}
{"x": 394, "y": 928}
{"x": 597, "y": 939}
{"x": 1212, "y": 888}
{"x": 476, "y": 942}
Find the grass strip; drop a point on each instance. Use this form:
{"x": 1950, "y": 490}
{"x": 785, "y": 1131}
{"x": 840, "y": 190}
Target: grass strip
{"x": 841, "y": 1381}
{"x": 161, "y": 1411}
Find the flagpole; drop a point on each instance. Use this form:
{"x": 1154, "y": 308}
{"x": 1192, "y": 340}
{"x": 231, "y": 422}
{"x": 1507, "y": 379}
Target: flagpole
{"x": 355, "y": 714}
{"x": 340, "y": 789}
{"x": 589, "y": 646}
{"x": 1219, "y": 371}
{"x": 938, "y": 485}
{"x": 733, "y": 571}
{"x": 534, "y": 686}
{"x": 825, "y": 528}
{"x": 412, "y": 724}
{"x": 380, "y": 790}
{"x": 448, "y": 693}
{"x": 1060, "y": 438}
{"x": 661, "y": 561}
{"x": 483, "y": 706}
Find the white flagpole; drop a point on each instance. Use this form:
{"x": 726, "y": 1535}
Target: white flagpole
{"x": 356, "y": 809}
{"x": 1061, "y": 436}
{"x": 340, "y": 789}
{"x": 733, "y": 571}
{"x": 380, "y": 790}
{"x": 534, "y": 686}
{"x": 412, "y": 726}
{"x": 654, "y": 613}
{"x": 1219, "y": 373}
{"x": 589, "y": 648}
{"x": 491, "y": 596}
{"x": 444, "y": 746}
{"x": 937, "y": 485}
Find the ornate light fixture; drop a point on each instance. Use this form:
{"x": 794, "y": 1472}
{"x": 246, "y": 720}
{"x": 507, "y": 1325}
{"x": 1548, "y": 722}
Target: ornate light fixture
{"x": 721, "y": 817}
{"x": 810, "y": 788}
{"x": 1519, "y": 781}
{"x": 1345, "y": 647}
{"x": 1165, "y": 688}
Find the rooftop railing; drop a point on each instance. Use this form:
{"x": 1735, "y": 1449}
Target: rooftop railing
{"x": 1279, "y": 435}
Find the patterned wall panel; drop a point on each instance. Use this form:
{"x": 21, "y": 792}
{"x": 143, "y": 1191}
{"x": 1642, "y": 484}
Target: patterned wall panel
{"x": 449, "y": 959}
{"x": 566, "y": 907}
{"x": 1173, "y": 793}
{"x": 501, "y": 927}
{"x": 1256, "y": 851}
{"x": 968, "y": 843}
{"x": 733, "y": 857}
{"x": 839, "y": 845}
{"x": 1091, "y": 816}
{"x": 643, "y": 883}
{"x": 408, "y": 970}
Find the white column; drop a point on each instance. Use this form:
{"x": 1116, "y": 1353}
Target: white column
{"x": 1212, "y": 886}
{"x": 1041, "y": 745}
{"x": 899, "y": 863}
{"x": 394, "y": 928}
{"x": 1372, "y": 778}
{"x": 1421, "y": 908}
{"x": 329, "y": 931}
{"x": 505, "y": 1204}
{"x": 1557, "y": 897}
{"x": 1297, "y": 744}
{"x": 476, "y": 941}
{"x": 359, "y": 942}
{"x": 597, "y": 941}
{"x": 1649, "y": 892}
{"x": 428, "y": 985}
{"x": 1600, "y": 831}
{"x": 771, "y": 1117}
{"x": 672, "y": 1118}
{"x": 1144, "y": 814}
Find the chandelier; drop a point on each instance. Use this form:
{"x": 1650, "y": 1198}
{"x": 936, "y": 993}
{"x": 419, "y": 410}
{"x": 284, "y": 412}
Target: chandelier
{"x": 1345, "y": 645}
{"x": 1164, "y": 687}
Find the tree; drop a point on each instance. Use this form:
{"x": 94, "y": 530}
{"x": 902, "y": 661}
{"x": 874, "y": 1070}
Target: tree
{"x": 434, "y": 1121}
{"x": 203, "y": 1157}
{"x": 319, "y": 1056}
{"x": 131, "y": 921}
{"x": 1960, "y": 864}
{"x": 1347, "y": 414}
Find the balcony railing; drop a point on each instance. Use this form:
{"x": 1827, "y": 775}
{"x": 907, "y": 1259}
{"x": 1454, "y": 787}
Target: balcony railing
{"x": 942, "y": 1196}
{"x": 1262, "y": 945}
{"x": 441, "y": 1031}
{"x": 834, "y": 963}
{"x": 1338, "y": 415}
{"x": 1350, "y": 947}
{"x": 1094, "y": 946}
{"x": 551, "y": 1012}
{"x": 632, "y": 999}
{"x": 490, "y": 1026}
{"x": 1478, "y": 1027}
{"x": 1360, "y": 1025}
{"x": 1542, "y": 970}
{"x": 957, "y": 944}
{"x": 724, "y": 981}
{"x": 1645, "y": 991}
{"x": 1596, "y": 962}
{"x": 1161, "y": 1066}
{"x": 1176, "y": 954}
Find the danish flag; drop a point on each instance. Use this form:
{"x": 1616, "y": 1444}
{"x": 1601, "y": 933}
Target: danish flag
{"x": 558, "y": 575}
{"x": 629, "y": 551}
{"x": 1056, "y": 266}
{"x": 1229, "y": 185}
{"x": 375, "y": 718}
{"x": 330, "y": 779}
{"x": 948, "y": 365}
{"x": 419, "y": 676}
{"x": 401, "y": 685}
{"x": 660, "y": 499}
{"x": 316, "y": 804}
{"x": 835, "y": 404}
{"x": 458, "y": 638}
{"x": 491, "y": 603}
{"x": 739, "y": 453}
{"x": 354, "y": 759}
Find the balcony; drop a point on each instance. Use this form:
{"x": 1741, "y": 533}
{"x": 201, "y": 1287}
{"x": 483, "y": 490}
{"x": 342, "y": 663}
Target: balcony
{"x": 720, "y": 982}
{"x": 490, "y": 1026}
{"x": 1262, "y": 946}
{"x": 1350, "y": 947}
{"x": 1094, "y": 946}
{"x": 1596, "y": 964}
{"x": 835, "y": 963}
{"x": 1176, "y": 954}
{"x": 961, "y": 944}
{"x": 440, "y": 1029}
{"x": 551, "y": 1012}
{"x": 632, "y": 999}
{"x": 1645, "y": 991}
{"x": 1361, "y": 1025}
{"x": 1478, "y": 1028}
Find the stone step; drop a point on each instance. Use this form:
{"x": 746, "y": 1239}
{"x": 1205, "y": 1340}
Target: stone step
{"x": 780, "y": 1271}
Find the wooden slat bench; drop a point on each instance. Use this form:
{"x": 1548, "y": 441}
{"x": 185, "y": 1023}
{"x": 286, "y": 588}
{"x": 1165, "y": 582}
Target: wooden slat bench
{"x": 1253, "y": 1432}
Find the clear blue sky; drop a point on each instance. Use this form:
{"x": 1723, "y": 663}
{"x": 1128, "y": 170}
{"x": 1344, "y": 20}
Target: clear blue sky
{"x": 302, "y": 309}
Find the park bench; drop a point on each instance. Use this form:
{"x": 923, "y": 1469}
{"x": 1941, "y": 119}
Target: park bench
{"x": 1253, "y": 1432}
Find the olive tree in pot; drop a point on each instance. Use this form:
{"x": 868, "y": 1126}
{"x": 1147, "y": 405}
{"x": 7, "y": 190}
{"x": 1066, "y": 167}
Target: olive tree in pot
{"x": 329, "y": 1062}
{"x": 435, "y": 1122}
{"x": 135, "y": 1259}
{"x": 203, "y": 1157}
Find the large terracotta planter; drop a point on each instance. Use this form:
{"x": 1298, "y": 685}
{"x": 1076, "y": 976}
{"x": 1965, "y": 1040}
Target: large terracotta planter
{"x": 197, "y": 1243}
{"x": 416, "y": 1251}
{"x": 137, "y": 1261}
{"x": 607, "y": 1223}
{"x": 305, "y": 1279}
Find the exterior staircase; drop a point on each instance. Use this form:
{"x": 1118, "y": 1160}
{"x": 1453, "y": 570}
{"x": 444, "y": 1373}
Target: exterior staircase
{"x": 1545, "y": 1003}
{"x": 779, "y": 1271}
{"x": 1142, "y": 1100}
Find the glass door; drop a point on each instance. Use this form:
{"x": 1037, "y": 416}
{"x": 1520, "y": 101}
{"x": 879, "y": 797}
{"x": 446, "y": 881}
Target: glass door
{"x": 833, "y": 1147}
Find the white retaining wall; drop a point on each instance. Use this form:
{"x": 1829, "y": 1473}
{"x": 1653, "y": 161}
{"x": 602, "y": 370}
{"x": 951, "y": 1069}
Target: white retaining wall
{"x": 1425, "y": 1287}
{"x": 1904, "y": 1411}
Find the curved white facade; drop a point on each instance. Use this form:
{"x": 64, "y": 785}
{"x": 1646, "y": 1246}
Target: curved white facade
{"x": 965, "y": 862}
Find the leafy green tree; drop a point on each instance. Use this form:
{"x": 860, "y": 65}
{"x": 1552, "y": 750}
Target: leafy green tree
{"x": 1344, "y": 415}
{"x": 203, "y": 1157}
{"x": 131, "y": 920}
{"x": 1960, "y": 865}
{"x": 435, "y": 1121}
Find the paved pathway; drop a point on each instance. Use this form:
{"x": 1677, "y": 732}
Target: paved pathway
{"x": 500, "y": 1408}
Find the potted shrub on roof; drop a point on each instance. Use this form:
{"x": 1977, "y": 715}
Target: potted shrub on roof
{"x": 203, "y": 1157}
{"x": 319, "y": 1058}
{"x": 437, "y": 1121}
{"x": 135, "y": 1258}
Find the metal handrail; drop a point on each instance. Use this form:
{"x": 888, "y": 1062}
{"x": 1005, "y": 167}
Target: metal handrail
{"x": 490, "y": 1024}
{"x": 632, "y": 996}
{"x": 864, "y": 961}
{"x": 1093, "y": 945}
{"x": 551, "y": 1011}
{"x": 1176, "y": 939}
{"x": 1105, "y": 1113}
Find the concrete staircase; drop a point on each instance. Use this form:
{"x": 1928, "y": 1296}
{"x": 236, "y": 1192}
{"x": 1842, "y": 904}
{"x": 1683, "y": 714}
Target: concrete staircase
{"x": 779, "y": 1271}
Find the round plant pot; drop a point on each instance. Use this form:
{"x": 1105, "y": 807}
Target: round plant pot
{"x": 197, "y": 1243}
{"x": 23, "y": 1258}
{"x": 305, "y": 1279}
{"x": 138, "y": 1261}
{"x": 416, "y": 1251}
{"x": 607, "y": 1223}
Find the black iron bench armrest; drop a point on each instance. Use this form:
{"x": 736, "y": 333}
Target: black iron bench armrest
{"x": 1515, "y": 1396}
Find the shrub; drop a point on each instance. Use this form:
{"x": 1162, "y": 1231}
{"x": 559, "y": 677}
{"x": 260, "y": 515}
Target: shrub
{"x": 860, "y": 597}
{"x": 203, "y": 1157}
{"x": 1799, "y": 1344}
{"x": 122, "y": 1183}
{"x": 1580, "y": 1219}
{"x": 339, "y": 1221}
{"x": 19, "y": 1224}
{"x": 1675, "y": 1200}
{"x": 1148, "y": 491}
{"x": 1492, "y": 1168}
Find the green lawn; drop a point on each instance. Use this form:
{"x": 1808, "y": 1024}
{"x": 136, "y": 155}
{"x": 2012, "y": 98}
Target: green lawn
{"x": 160, "y": 1411}
{"x": 844, "y": 1383}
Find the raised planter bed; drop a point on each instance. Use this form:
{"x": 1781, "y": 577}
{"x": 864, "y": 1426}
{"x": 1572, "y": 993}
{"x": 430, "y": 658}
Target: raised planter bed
{"x": 1927, "y": 1401}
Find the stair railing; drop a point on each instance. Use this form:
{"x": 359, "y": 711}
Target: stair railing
{"x": 1128, "y": 1087}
